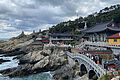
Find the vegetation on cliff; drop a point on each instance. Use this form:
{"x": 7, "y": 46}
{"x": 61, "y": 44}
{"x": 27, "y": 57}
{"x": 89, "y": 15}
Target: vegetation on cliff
{"x": 104, "y": 15}
{"x": 106, "y": 77}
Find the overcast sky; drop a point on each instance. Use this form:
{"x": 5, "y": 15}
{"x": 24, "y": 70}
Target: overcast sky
{"x": 29, "y": 15}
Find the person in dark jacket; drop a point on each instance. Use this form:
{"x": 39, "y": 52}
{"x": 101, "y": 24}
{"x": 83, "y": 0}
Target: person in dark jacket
{"x": 69, "y": 49}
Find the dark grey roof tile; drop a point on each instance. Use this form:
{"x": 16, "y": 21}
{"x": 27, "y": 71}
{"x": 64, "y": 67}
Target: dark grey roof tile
{"x": 101, "y": 27}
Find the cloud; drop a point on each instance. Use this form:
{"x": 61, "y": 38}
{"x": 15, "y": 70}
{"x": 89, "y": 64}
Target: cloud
{"x": 29, "y": 15}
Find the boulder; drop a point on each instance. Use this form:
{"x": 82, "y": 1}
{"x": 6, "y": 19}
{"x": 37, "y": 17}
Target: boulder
{"x": 64, "y": 73}
{"x": 32, "y": 57}
{"x": 41, "y": 64}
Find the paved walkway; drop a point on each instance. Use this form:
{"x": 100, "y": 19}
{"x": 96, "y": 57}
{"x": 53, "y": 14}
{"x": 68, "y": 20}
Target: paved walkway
{"x": 75, "y": 50}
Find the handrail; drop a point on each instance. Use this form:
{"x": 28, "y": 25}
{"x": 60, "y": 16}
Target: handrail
{"x": 103, "y": 44}
{"x": 89, "y": 61}
{"x": 81, "y": 45}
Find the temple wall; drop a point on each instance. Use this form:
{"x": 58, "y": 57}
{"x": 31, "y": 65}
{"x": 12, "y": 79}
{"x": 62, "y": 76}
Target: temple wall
{"x": 98, "y": 37}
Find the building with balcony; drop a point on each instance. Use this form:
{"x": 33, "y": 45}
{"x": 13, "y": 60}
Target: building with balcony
{"x": 100, "y": 31}
{"x": 60, "y": 38}
{"x": 114, "y": 39}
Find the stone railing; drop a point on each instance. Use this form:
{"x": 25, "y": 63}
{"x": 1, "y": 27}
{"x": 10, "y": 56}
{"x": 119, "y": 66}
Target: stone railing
{"x": 80, "y": 46}
{"x": 102, "y": 44}
{"x": 61, "y": 39}
{"x": 96, "y": 67}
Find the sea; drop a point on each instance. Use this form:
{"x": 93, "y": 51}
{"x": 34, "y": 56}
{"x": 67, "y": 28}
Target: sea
{"x": 14, "y": 63}
{"x": 5, "y": 39}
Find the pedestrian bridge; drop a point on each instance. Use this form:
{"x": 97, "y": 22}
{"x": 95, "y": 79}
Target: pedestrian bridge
{"x": 87, "y": 65}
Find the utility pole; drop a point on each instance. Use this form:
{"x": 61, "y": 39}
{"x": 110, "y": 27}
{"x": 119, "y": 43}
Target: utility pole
{"x": 77, "y": 13}
{"x": 77, "y": 19}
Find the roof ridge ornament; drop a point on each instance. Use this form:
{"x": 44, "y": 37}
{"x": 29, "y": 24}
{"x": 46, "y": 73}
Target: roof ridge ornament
{"x": 33, "y": 31}
{"x": 119, "y": 34}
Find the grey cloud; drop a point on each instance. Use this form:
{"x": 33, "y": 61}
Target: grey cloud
{"x": 34, "y": 14}
{"x": 111, "y": 1}
{"x": 4, "y": 9}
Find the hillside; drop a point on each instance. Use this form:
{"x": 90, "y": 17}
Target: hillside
{"x": 103, "y": 15}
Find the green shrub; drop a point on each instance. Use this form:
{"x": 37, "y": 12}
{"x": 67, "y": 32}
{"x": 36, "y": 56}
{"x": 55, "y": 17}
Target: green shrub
{"x": 106, "y": 77}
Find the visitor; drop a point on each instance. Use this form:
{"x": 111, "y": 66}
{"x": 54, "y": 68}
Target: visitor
{"x": 100, "y": 60}
{"x": 69, "y": 49}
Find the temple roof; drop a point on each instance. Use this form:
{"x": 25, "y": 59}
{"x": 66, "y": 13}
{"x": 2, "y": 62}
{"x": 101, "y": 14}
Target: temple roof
{"x": 116, "y": 62}
{"x": 83, "y": 35}
{"x": 114, "y": 36}
{"x": 60, "y": 35}
{"x": 80, "y": 35}
{"x": 101, "y": 27}
{"x": 46, "y": 38}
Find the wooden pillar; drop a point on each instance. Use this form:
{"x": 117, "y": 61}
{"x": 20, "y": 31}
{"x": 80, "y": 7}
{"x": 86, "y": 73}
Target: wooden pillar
{"x": 90, "y": 38}
{"x": 101, "y": 37}
{"x": 97, "y": 37}
{"x": 93, "y": 37}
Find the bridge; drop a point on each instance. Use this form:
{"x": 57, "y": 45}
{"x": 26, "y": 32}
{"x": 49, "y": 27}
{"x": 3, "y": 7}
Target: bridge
{"x": 87, "y": 65}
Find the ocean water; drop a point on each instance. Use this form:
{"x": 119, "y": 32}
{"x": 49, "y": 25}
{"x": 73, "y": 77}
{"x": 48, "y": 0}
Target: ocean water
{"x": 40, "y": 76}
{"x": 14, "y": 63}
{"x": 4, "y": 39}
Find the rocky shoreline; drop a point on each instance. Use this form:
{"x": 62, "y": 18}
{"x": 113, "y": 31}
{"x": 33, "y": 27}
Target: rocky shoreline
{"x": 48, "y": 59}
{"x": 36, "y": 59}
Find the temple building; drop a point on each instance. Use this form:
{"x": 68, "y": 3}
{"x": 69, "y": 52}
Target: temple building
{"x": 60, "y": 38}
{"x": 100, "y": 31}
{"x": 114, "y": 39}
{"x": 114, "y": 64}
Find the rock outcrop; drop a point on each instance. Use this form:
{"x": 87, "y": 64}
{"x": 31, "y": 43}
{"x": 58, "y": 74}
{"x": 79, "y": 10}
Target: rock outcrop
{"x": 20, "y": 41}
{"x": 64, "y": 73}
{"x": 48, "y": 59}
{"x": 34, "y": 58}
{"x": 51, "y": 57}
{"x": 68, "y": 72}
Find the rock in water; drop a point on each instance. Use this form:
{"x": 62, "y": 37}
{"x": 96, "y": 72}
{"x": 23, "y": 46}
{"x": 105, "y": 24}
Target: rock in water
{"x": 2, "y": 61}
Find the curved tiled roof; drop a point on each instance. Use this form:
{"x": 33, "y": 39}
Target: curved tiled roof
{"x": 60, "y": 34}
{"x": 116, "y": 62}
{"x": 101, "y": 27}
{"x": 114, "y": 36}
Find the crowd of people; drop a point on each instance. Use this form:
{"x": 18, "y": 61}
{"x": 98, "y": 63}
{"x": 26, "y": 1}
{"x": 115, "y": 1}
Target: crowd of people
{"x": 97, "y": 59}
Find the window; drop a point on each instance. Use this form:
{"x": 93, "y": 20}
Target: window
{"x": 115, "y": 40}
{"x": 107, "y": 40}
